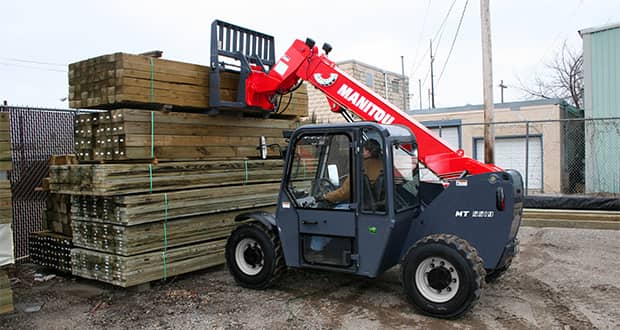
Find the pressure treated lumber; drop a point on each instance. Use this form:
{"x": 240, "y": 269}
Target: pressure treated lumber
{"x": 143, "y": 268}
{"x": 51, "y": 250}
{"x": 154, "y": 236}
{"x": 115, "y": 179}
{"x": 130, "y": 134}
{"x": 5, "y": 142}
{"x": 6, "y": 204}
{"x": 116, "y": 80}
{"x": 6, "y": 293}
{"x": 138, "y": 209}
{"x": 57, "y": 214}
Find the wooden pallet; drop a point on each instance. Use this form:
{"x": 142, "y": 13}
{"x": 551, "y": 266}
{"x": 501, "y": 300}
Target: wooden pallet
{"x": 130, "y": 134}
{"x": 123, "y": 179}
{"x": 117, "y": 80}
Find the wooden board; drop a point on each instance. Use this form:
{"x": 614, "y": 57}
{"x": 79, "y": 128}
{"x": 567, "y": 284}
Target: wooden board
{"x": 57, "y": 214}
{"x": 143, "y": 268}
{"x": 6, "y": 293}
{"x": 6, "y": 205}
{"x": 138, "y": 209}
{"x": 51, "y": 250}
{"x": 5, "y": 143}
{"x": 130, "y": 134}
{"x": 116, "y": 80}
{"x": 155, "y": 236}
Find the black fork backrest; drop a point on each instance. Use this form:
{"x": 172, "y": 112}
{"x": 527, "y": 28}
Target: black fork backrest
{"x": 233, "y": 41}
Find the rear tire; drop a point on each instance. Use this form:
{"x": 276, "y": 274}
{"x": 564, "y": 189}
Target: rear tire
{"x": 442, "y": 275}
{"x": 254, "y": 256}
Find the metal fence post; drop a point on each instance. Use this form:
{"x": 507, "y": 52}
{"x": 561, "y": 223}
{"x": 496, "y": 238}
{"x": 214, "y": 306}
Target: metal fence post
{"x": 527, "y": 155}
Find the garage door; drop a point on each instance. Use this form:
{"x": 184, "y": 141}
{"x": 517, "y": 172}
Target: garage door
{"x": 510, "y": 154}
{"x": 450, "y": 134}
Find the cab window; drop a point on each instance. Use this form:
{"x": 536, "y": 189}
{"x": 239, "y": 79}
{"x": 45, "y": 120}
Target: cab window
{"x": 406, "y": 177}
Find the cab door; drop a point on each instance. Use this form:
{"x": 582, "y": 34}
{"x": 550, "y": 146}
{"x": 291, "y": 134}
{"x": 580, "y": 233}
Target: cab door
{"x": 322, "y": 162}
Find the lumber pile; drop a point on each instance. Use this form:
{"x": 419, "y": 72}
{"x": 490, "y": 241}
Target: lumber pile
{"x": 57, "y": 214}
{"x": 6, "y": 293}
{"x": 152, "y": 193}
{"x": 6, "y": 203}
{"x": 123, "y": 179}
{"x": 51, "y": 250}
{"x": 130, "y": 134}
{"x": 143, "y": 268}
{"x": 118, "y": 80}
{"x": 5, "y": 142}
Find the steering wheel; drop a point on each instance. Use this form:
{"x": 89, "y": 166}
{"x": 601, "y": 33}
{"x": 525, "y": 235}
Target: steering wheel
{"x": 325, "y": 186}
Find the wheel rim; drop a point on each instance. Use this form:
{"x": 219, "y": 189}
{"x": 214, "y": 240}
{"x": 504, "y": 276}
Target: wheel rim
{"x": 249, "y": 256}
{"x": 437, "y": 279}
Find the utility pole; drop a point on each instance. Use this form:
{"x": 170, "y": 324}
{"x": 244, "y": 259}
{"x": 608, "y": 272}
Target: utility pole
{"x": 487, "y": 83}
{"x": 501, "y": 88}
{"x": 432, "y": 82}
{"x": 420, "y": 91}
{"x": 402, "y": 68}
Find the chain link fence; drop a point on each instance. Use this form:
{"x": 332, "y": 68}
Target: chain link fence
{"x": 555, "y": 157}
{"x": 36, "y": 134}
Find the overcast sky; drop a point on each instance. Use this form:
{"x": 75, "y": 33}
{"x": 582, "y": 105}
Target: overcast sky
{"x": 40, "y": 38}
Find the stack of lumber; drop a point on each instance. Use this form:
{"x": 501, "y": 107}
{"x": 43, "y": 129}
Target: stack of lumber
{"x": 5, "y": 142}
{"x": 130, "y": 134}
{"x": 51, "y": 250}
{"x": 147, "y": 267}
{"x": 589, "y": 219}
{"x": 6, "y": 294}
{"x": 57, "y": 214}
{"x": 118, "y": 80}
{"x": 155, "y": 193}
{"x": 131, "y": 210}
{"x": 6, "y": 204}
{"x": 123, "y": 179}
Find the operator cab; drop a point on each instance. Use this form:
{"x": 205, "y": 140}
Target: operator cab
{"x": 346, "y": 187}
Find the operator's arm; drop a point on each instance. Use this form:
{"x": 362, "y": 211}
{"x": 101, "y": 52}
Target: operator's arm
{"x": 341, "y": 194}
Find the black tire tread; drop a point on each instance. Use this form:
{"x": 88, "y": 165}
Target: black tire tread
{"x": 466, "y": 250}
{"x": 279, "y": 266}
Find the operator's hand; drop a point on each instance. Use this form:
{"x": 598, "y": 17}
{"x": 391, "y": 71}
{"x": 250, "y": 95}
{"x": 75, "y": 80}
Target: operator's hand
{"x": 320, "y": 198}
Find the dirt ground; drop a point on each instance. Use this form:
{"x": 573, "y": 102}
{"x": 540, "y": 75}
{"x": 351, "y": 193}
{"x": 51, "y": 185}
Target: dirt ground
{"x": 563, "y": 279}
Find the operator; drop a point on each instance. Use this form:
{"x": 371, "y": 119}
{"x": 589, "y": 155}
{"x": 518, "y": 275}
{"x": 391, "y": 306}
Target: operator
{"x": 372, "y": 168}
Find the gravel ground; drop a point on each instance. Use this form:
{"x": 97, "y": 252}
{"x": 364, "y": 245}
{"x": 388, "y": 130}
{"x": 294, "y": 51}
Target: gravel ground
{"x": 563, "y": 278}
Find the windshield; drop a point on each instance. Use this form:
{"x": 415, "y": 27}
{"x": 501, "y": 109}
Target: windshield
{"x": 406, "y": 176}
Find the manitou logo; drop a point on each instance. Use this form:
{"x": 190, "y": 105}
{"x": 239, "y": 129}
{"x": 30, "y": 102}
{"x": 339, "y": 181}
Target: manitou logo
{"x": 326, "y": 82}
{"x": 365, "y": 105}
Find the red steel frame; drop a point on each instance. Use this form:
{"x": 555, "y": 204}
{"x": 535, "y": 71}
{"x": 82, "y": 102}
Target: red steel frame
{"x": 302, "y": 61}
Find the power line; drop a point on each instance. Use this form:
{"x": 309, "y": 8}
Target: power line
{"x": 456, "y": 34}
{"x": 437, "y": 34}
{"x": 415, "y": 58}
{"x": 31, "y": 67}
{"x": 31, "y": 61}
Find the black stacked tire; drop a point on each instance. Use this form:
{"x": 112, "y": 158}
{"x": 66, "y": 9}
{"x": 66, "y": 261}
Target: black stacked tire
{"x": 254, "y": 256}
{"x": 442, "y": 275}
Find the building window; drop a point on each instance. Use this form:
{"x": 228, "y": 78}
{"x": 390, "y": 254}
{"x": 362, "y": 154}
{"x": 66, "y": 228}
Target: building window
{"x": 395, "y": 86}
{"x": 369, "y": 79}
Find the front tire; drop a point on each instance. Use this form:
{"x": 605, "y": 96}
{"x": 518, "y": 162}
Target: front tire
{"x": 254, "y": 256}
{"x": 442, "y": 275}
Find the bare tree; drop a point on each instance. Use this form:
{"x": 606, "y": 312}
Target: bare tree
{"x": 563, "y": 78}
